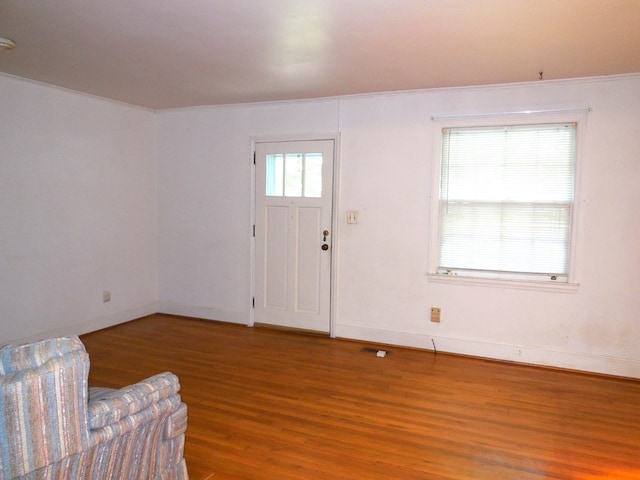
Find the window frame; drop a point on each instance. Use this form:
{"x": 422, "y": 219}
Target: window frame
{"x": 579, "y": 117}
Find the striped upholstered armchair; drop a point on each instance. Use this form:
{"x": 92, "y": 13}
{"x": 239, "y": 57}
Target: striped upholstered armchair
{"x": 52, "y": 426}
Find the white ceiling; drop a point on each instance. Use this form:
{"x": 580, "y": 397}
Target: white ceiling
{"x": 177, "y": 53}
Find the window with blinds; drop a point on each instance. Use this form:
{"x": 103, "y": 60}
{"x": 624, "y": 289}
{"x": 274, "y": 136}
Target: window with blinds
{"x": 506, "y": 201}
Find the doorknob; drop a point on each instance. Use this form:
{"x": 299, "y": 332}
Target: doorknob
{"x": 325, "y": 246}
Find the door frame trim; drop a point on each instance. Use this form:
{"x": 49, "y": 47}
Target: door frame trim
{"x": 333, "y": 280}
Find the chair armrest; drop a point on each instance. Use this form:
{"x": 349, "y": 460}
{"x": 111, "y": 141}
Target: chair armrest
{"x": 111, "y": 406}
{"x": 156, "y": 416}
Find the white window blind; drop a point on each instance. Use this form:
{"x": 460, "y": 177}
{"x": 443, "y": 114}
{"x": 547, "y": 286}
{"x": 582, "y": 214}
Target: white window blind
{"x": 506, "y": 200}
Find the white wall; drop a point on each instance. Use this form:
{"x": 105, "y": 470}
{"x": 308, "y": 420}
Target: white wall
{"x": 80, "y": 177}
{"x": 77, "y": 211}
{"x": 383, "y": 293}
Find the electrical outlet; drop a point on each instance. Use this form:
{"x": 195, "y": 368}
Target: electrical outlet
{"x": 106, "y": 296}
{"x": 435, "y": 314}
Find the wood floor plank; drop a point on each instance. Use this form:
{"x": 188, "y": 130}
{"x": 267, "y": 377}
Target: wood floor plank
{"x": 269, "y": 404}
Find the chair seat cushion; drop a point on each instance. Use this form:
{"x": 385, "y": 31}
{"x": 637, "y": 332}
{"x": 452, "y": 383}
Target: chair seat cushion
{"x": 99, "y": 393}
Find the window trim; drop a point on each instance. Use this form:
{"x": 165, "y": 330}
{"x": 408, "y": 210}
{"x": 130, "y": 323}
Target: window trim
{"x": 579, "y": 117}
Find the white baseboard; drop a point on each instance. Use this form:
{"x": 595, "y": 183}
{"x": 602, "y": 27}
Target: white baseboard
{"x": 514, "y": 353}
{"x": 206, "y": 313}
{"x": 93, "y": 324}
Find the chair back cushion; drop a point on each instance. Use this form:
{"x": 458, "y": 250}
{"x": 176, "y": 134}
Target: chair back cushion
{"x": 14, "y": 358}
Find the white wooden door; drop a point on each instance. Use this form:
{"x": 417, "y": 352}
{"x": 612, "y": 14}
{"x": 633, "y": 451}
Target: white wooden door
{"x": 294, "y": 194}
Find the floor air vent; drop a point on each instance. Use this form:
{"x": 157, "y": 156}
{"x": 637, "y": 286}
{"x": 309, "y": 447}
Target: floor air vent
{"x": 378, "y": 352}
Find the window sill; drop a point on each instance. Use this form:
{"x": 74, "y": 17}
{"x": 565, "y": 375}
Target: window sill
{"x": 516, "y": 284}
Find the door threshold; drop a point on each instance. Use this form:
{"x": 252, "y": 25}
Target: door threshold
{"x": 280, "y": 328}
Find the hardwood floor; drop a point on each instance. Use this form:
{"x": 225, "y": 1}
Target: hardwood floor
{"x": 267, "y": 404}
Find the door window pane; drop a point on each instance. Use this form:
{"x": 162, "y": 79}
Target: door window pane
{"x": 293, "y": 175}
{"x": 275, "y": 175}
{"x": 313, "y": 175}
